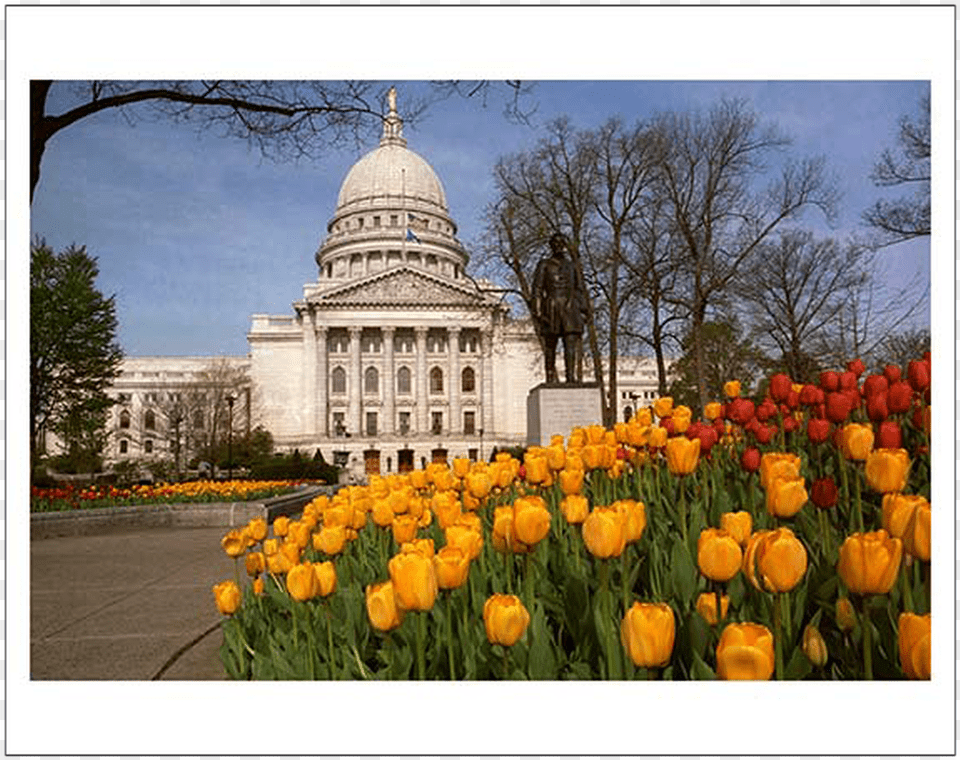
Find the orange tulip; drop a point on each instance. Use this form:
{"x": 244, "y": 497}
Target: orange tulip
{"x": 886, "y": 470}
{"x": 775, "y": 560}
{"x": 913, "y": 640}
{"x": 571, "y": 481}
{"x": 234, "y": 543}
{"x": 404, "y": 528}
{"x": 280, "y": 526}
{"x": 382, "y": 607}
{"x": 648, "y": 632}
{"x": 461, "y": 466}
{"x": 856, "y": 441}
{"x": 479, "y": 483}
{"x": 731, "y": 388}
{"x": 468, "y": 540}
{"x": 330, "y": 540}
{"x": 707, "y": 607}
{"x": 326, "y": 578}
{"x": 451, "y": 565}
{"x": 663, "y": 406}
{"x": 414, "y": 581}
{"x": 745, "y": 652}
{"x": 257, "y": 529}
{"x": 605, "y": 532}
{"x": 255, "y": 563}
{"x": 421, "y": 546}
{"x": 531, "y": 519}
{"x": 907, "y": 517}
{"x": 302, "y": 582}
{"x": 737, "y": 524}
{"x": 227, "y": 596}
{"x": 575, "y": 508}
{"x": 778, "y": 464}
{"x": 682, "y": 455}
{"x": 505, "y": 619}
{"x": 635, "y": 515}
{"x": 869, "y": 562}
{"x": 718, "y": 554}
{"x": 786, "y": 496}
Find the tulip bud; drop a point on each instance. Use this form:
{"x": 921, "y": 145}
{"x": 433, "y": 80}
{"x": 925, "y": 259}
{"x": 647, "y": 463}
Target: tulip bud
{"x": 575, "y": 508}
{"x": 818, "y": 431}
{"x": 745, "y": 652}
{"x": 913, "y": 641}
{"x": 737, "y": 524}
{"x": 648, "y": 632}
{"x": 877, "y": 407}
{"x": 786, "y": 496}
{"x": 780, "y": 387}
{"x": 814, "y": 647}
{"x": 741, "y": 411}
{"x": 707, "y": 607}
{"x": 635, "y": 517}
{"x": 326, "y": 577}
{"x": 918, "y": 375}
{"x": 889, "y": 435}
{"x": 227, "y": 596}
{"x": 837, "y": 407}
{"x": 846, "y": 617}
{"x": 823, "y": 493}
{"x": 505, "y": 619}
{"x": 829, "y": 381}
{"x": 750, "y": 459}
{"x": 856, "y": 366}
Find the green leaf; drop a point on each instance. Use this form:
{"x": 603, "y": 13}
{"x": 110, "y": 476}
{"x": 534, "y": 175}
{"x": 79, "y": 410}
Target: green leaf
{"x": 542, "y": 662}
{"x": 798, "y": 667}
{"x": 683, "y": 574}
{"x": 700, "y": 670}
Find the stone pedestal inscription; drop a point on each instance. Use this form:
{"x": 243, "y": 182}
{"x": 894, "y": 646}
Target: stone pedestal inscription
{"x": 556, "y": 409}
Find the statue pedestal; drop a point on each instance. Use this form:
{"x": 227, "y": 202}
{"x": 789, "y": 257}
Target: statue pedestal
{"x": 558, "y": 408}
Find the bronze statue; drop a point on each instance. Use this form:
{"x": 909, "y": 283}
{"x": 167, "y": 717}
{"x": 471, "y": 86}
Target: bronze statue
{"x": 559, "y": 309}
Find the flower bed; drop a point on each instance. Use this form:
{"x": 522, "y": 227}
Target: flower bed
{"x": 784, "y": 538}
{"x": 200, "y": 491}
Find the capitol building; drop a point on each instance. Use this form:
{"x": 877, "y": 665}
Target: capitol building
{"x": 394, "y": 356}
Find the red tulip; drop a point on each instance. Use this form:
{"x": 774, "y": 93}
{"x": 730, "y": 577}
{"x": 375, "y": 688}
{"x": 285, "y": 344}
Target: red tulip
{"x": 667, "y": 424}
{"x": 793, "y": 399}
{"x": 837, "y": 407}
{"x": 719, "y": 426}
{"x": 899, "y": 398}
{"x": 873, "y": 385}
{"x": 764, "y": 433}
{"x": 877, "y": 407}
{"x": 829, "y": 380}
{"x": 823, "y": 493}
{"x": 853, "y": 396}
{"x": 892, "y": 373}
{"x": 889, "y": 435}
{"x": 848, "y": 381}
{"x": 790, "y": 424}
{"x": 708, "y": 437}
{"x": 740, "y": 411}
{"x": 918, "y": 375}
{"x": 766, "y": 410}
{"x": 857, "y": 367}
{"x": 780, "y": 387}
{"x": 810, "y": 395}
{"x": 750, "y": 459}
{"x": 818, "y": 430}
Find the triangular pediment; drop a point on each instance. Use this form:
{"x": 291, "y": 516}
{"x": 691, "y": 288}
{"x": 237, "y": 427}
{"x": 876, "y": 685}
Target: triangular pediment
{"x": 401, "y": 286}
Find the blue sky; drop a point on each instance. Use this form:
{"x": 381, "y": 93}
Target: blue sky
{"x": 194, "y": 233}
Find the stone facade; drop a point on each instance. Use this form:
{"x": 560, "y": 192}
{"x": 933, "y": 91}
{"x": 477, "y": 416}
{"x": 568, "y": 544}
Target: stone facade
{"x": 394, "y": 356}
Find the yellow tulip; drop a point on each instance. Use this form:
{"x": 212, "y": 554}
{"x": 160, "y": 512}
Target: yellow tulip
{"x": 418, "y": 479}
{"x": 913, "y": 641}
{"x": 575, "y": 508}
{"x": 869, "y": 562}
{"x": 258, "y": 586}
{"x": 451, "y": 565}
{"x": 326, "y": 577}
{"x": 571, "y": 481}
{"x": 786, "y": 496}
{"x": 775, "y": 560}
{"x": 531, "y": 519}
{"x": 536, "y": 465}
{"x": 605, "y": 532}
{"x": 907, "y": 517}
{"x": 856, "y": 441}
{"x": 886, "y": 470}
{"x": 505, "y": 619}
{"x": 648, "y": 631}
{"x": 467, "y": 539}
{"x": 737, "y": 524}
{"x": 745, "y": 652}
{"x": 414, "y": 581}
{"x": 255, "y": 563}
{"x": 638, "y": 434}
{"x": 731, "y": 388}
{"x": 227, "y": 596}
{"x": 382, "y": 609}
{"x": 778, "y": 464}
{"x": 234, "y": 543}
{"x": 461, "y": 466}
{"x": 280, "y": 526}
{"x": 257, "y": 528}
{"x": 446, "y": 506}
{"x": 814, "y": 647}
{"x": 299, "y": 533}
{"x": 479, "y": 484}
{"x": 330, "y": 540}
{"x": 718, "y": 554}
{"x": 556, "y": 456}
{"x": 846, "y": 617}
{"x": 663, "y": 406}
{"x": 681, "y": 418}
{"x": 635, "y": 515}
{"x": 707, "y": 607}
{"x": 382, "y": 513}
{"x": 404, "y": 528}
{"x": 302, "y": 582}
{"x": 421, "y": 546}
{"x": 658, "y": 437}
{"x": 682, "y": 455}
{"x": 712, "y": 410}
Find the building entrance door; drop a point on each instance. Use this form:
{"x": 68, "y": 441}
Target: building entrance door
{"x": 439, "y": 456}
{"x": 371, "y": 458}
{"x": 404, "y": 460}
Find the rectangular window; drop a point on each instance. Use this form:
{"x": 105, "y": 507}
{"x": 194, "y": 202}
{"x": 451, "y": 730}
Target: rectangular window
{"x": 469, "y": 423}
{"x": 472, "y": 455}
{"x": 394, "y": 220}
{"x": 339, "y": 428}
{"x": 148, "y": 446}
{"x": 123, "y": 447}
{"x": 376, "y": 221}
{"x": 436, "y": 425}
{"x": 371, "y": 423}
{"x": 404, "y": 423}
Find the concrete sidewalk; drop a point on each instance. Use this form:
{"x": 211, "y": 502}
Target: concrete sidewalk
{"x": 130, "y": 604}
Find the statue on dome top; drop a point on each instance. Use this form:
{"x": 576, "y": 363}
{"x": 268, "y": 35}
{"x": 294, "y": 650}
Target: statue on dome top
{"x": 392, "y": 99}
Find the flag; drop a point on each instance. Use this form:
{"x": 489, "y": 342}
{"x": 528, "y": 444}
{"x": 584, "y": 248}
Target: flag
{"x": 417, "y": 222}
{"x": 411, "y": 236}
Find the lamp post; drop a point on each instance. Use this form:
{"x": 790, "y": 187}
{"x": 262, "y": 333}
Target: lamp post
{"x": 230, "y": 399}
{"x": 481, "y": 444}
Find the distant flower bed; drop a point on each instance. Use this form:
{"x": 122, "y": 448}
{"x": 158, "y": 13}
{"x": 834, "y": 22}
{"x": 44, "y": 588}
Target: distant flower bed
{"x": 92, "y": 497}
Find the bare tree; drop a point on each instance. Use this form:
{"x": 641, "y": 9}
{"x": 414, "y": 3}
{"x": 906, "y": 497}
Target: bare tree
{"x": 282, "y": 119}
{"x": 908, "y": 165}
{"x": 709, "y": 176}
{"x": 796, "y": 290}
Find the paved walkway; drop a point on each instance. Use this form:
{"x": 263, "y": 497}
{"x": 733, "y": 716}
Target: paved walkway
{"x": 134, "y": 604}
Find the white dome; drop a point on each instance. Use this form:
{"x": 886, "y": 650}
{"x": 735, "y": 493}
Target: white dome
{"x": 389, "y": 173}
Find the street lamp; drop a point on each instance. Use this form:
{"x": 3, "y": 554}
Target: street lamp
{"x": 230, "y": 399}
{"x": 481, "y": 444}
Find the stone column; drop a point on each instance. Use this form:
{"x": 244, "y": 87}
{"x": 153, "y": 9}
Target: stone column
{"x": 422, "y": 380}
{"x": 388, "y": 386}
{"x": 486, "y": 383}
{"x": 455, "y": 425}
{"x": 309, "y": 369}
{"x": 322, "y": 425}
{"x": 354, "y": 385}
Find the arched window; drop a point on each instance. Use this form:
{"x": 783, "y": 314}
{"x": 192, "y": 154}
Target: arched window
{"x": 124, "y": 419}
{"x": 371, "y": 380}
{"x": 338, "y": 380}
{"x": 198, "y": 419}
{"x": 403, "y": 380}
{"x": 468, "y": 380}
{"x": 436, "y": 380}
{"x": 150, "y": 420}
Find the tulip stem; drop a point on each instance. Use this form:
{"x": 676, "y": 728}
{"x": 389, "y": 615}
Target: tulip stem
{"x": 907, "y": 591}
{"x": 326, "y": 607}
{"x": 867, "y": 644}
{"x": 683, "y": 509}
{"x": 825, "y": 532}
{"x": 856, "y": 488}
{"x": 846, "y": 482}
{"x": 453, "y": 671}
{"x": 421, "y": 634}
{"x": 778, "y": 639}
